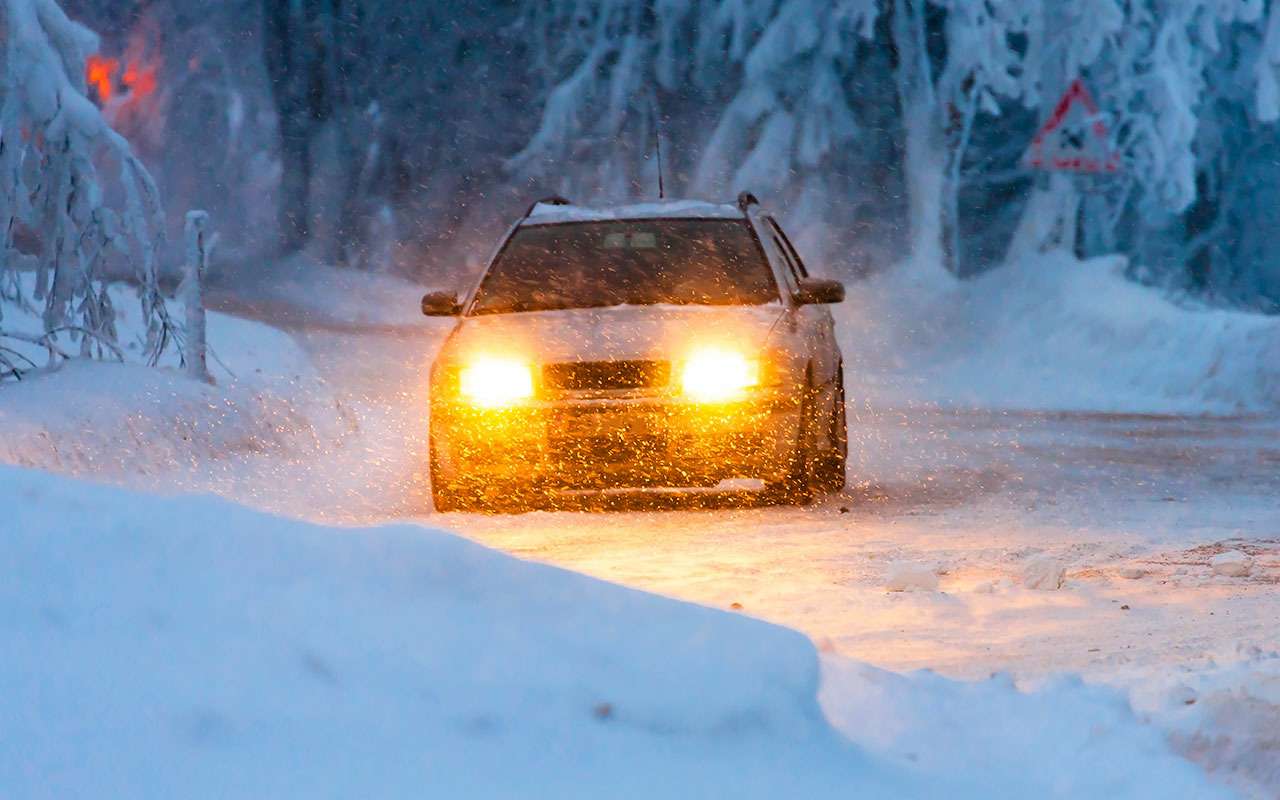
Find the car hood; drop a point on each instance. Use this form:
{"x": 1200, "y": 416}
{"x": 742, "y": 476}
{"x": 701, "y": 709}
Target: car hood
{"x": 612, "y": 334}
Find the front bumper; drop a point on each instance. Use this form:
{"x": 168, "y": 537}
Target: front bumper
{"x": 603, "y": 443}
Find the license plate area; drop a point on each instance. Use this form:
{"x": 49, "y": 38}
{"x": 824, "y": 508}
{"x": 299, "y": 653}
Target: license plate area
{"x": 584, "y": 452}
{"x": 606, "y": 376}
{"x": 587, "y": 422}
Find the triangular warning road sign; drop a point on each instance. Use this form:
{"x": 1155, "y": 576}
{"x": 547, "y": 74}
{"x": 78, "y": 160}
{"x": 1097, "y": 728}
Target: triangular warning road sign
{"x": 1074, "y": 138}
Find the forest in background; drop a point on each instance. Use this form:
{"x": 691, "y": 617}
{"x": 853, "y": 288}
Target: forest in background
{"x": 406, "y": 135}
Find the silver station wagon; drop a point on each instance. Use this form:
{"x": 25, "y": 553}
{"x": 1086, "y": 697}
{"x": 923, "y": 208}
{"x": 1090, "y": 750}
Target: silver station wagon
{"x": 670, "y": 344}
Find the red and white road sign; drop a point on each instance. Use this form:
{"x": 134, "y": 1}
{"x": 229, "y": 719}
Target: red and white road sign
{"x": 1074, "y": 138}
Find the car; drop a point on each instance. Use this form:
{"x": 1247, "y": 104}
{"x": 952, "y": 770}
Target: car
{"x": 676, "y": 344}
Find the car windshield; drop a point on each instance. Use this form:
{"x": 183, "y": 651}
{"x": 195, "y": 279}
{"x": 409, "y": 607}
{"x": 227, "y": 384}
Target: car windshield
{"x": 636, "y": 262}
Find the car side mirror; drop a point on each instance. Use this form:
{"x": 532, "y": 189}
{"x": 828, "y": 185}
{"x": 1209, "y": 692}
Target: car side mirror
{"x": 818, "y": 291}
{"x": 441, "y": 304}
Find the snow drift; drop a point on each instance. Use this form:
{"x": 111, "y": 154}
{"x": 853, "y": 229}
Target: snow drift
{"x": 1067, "y": 739}
{"x": 188, "y": 647}
{"x": 1055, "y": 333}
{"x": 162, "y": 647}
{"x": 112, "y": 420}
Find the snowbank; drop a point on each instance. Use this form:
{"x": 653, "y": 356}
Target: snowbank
{"x": 1225, "y": 717}
{"x": 1055, "y": 333}
{"x": 277, "y": 431}
{"x": 111, "y": 419}
{"x": 1066, "y": 740}
{"x": 187, "y": 647}
{"x": 190, "y": 648}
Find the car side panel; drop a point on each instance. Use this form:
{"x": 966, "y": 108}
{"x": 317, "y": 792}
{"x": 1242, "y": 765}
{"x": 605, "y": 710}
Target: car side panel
{"x": 812, "y": 327}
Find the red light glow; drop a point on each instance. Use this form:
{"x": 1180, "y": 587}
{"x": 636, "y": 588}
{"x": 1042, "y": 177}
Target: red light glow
{"x": 100, "y": 72}
{"x": 137, "y": 81}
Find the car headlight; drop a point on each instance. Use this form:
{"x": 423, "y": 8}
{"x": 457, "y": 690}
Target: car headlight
{"x": 495, "y": 382}
{"x": 714, "y": 374}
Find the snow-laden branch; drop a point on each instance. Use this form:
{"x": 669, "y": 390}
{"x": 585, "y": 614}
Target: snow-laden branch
{"x": 53, "y": 142}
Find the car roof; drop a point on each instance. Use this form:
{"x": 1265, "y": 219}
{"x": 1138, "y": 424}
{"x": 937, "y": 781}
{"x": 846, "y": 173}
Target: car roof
{"x": 549, "y": 213}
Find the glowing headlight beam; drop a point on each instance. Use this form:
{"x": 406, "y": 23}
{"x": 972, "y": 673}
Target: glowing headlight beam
{"x": 495, "y": 382}
{"x": 713, "y": 374}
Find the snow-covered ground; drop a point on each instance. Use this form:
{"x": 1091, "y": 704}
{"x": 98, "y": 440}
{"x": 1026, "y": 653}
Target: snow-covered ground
{"x": 300, "y": 291}
{"x": 965, "y": 468}
{"x": 189, "y": 647}
{"x": 126, "y": 420}
{"x": 1055, "y": 333}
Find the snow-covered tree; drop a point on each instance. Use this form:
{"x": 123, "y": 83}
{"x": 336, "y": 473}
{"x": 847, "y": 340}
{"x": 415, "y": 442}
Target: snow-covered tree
{"x": 880, "y": 127}
{"x": 64, "y": 221}
{"x": 1203, "y": 117}
{"x": 806, "y": 123}
{"x": 781, "y": 97}
{"x": 764, "y": 96}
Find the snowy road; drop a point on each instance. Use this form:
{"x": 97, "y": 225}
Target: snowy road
{"x": 976, "y": 495}
{"x": 328, "y": 422}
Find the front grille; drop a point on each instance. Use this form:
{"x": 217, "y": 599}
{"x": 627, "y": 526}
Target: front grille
{"x": 587, "y": 376}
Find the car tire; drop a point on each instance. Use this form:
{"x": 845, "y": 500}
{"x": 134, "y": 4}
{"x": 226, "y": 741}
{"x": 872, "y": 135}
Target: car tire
{"x": 797, "y": 487}
{"x": 834, "y": 463}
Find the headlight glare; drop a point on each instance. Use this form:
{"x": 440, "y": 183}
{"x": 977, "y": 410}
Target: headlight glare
{"x": 495, "y": 382}
{"x": 714, "y": 374}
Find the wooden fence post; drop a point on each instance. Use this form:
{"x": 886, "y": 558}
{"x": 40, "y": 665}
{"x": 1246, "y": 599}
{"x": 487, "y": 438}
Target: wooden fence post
{"x": 197, "y": 348}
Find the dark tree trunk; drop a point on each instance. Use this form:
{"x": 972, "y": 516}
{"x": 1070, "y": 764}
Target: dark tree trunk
{"x": 294, "y": 51}
{"x": 1199, "y": 221}
{"x": 294, "y": 202}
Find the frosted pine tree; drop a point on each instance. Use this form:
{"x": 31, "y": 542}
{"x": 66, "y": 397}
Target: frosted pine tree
{"x": 64, "y": 222}
{"x": 774, "y": 97}
{"x": 749, "y": 95}
{"x": 612, "y": 60}
{"x": 924, "y": 108}
{"x": 794, "y": 132}
{"x": 1206, "y": 238}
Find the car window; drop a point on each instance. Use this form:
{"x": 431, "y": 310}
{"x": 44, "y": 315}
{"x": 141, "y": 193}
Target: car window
{"x": 632, "y": 262}
{"x": 789, "y": 251}
{"x": 779, "y": 257}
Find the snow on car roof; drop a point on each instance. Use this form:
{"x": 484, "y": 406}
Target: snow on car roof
{"x": 545, "y": 213}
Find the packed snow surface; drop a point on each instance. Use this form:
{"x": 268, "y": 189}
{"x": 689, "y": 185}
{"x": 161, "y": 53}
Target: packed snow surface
{"x": 300, "y": 290}
{"x": 1233, "y": 564}
{"x": 1044, "y": 573}
{"x": 907, "y": 577}
{"x": 188, "y": 647}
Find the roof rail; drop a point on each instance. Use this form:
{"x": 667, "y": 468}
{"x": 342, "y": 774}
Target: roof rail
{"x": 553, "y": 200}
{"x": 746, "y": 199}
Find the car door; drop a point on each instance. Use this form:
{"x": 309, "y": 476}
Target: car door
{"x": 815, "y": 324}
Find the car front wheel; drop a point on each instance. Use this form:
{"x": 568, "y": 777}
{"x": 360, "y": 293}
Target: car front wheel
{"x": 797, "y": 486}
{"x": 834, "y": 462}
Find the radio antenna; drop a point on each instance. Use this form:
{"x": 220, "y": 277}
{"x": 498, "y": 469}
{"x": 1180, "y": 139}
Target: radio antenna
{"x": 657, "y": 144}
